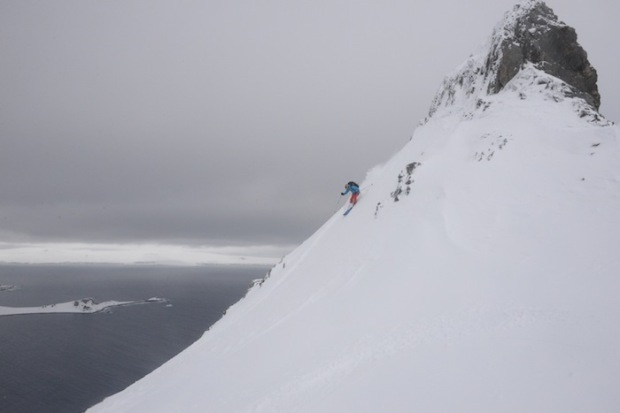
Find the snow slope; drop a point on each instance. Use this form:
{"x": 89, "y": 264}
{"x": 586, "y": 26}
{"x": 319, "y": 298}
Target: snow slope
{"x": 490, "y": 285}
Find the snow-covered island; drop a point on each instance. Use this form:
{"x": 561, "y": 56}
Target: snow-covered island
{"x": 83, "y": 306}
{"x": 5, "y": 287}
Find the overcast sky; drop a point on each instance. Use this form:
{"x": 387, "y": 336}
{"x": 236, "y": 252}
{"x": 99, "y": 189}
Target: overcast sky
{"x": 224, "y": 122}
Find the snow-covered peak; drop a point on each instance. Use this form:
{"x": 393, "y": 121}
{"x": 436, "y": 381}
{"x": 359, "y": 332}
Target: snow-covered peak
{"x": 530, "y": 37}
{"x": 480, "y": 262}
{"x": 478, "y": 272}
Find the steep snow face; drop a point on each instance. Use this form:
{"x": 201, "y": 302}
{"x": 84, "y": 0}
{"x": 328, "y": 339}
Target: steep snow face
{"x": 478, "y": 272}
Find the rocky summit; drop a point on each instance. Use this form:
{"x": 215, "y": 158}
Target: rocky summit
{"x": 530, "y": 35}
{"x": 534, "y": 34}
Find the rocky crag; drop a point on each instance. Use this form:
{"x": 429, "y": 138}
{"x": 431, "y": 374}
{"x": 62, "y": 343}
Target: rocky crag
{"x": 529, "y": 40}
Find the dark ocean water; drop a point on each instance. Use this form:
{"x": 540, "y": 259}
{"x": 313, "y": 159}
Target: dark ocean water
{"x": 65, "y": 363}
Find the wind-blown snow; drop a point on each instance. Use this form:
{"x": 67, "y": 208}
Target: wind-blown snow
{"x": 478, "y": 273}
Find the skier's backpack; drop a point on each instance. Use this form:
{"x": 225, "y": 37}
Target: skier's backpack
{"x": 351, "y": 183}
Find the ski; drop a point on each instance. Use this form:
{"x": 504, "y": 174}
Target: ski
{"x": 348, "y": 209}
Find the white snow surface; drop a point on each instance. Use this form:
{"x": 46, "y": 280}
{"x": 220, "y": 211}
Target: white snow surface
{"x": 478, "y": 273}
{"x": 491, "y": 285}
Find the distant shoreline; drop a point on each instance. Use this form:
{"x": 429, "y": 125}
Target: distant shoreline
{"x": 137, "y": 254}
{"x": 82, "y": 306}
{"x": 8, "y": 288}
{"x": 133, "y": 265}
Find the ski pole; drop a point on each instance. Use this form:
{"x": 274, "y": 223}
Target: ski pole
{"x": 337, "y": 204}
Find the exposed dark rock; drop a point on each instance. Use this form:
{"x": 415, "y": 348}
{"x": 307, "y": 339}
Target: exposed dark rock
{"x": 537, "y": 36}
{"x": 530, "y": 37}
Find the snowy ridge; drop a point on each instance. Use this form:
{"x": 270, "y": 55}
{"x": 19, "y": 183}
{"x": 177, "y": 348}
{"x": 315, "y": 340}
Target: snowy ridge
{"x": 462, "y": 90}
{"x": 531, "y": 80}
{"x": 492, "y": 278}
{"x": 477, "y": 273}
{"x": 517, "y": 40}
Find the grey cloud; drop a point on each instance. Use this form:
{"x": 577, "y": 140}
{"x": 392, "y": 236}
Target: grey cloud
{"x": 224, "y": 122}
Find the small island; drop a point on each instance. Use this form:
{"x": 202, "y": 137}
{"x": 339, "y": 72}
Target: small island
{"x": 4, "y": 287}
{"x": 83, "y": 306}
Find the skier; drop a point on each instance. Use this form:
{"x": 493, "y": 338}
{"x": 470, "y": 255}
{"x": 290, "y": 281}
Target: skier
{"x": 355, "y": 192}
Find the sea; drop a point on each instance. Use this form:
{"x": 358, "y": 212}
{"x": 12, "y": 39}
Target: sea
{"x": 66, "y": 363}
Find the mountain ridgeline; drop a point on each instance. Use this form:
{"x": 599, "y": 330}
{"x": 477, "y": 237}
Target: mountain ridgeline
{"x": 478, "y": 271}
{"x": 529, "y": 35}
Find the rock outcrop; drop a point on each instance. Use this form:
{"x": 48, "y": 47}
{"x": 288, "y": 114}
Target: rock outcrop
{"x": 529, "y": 35}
